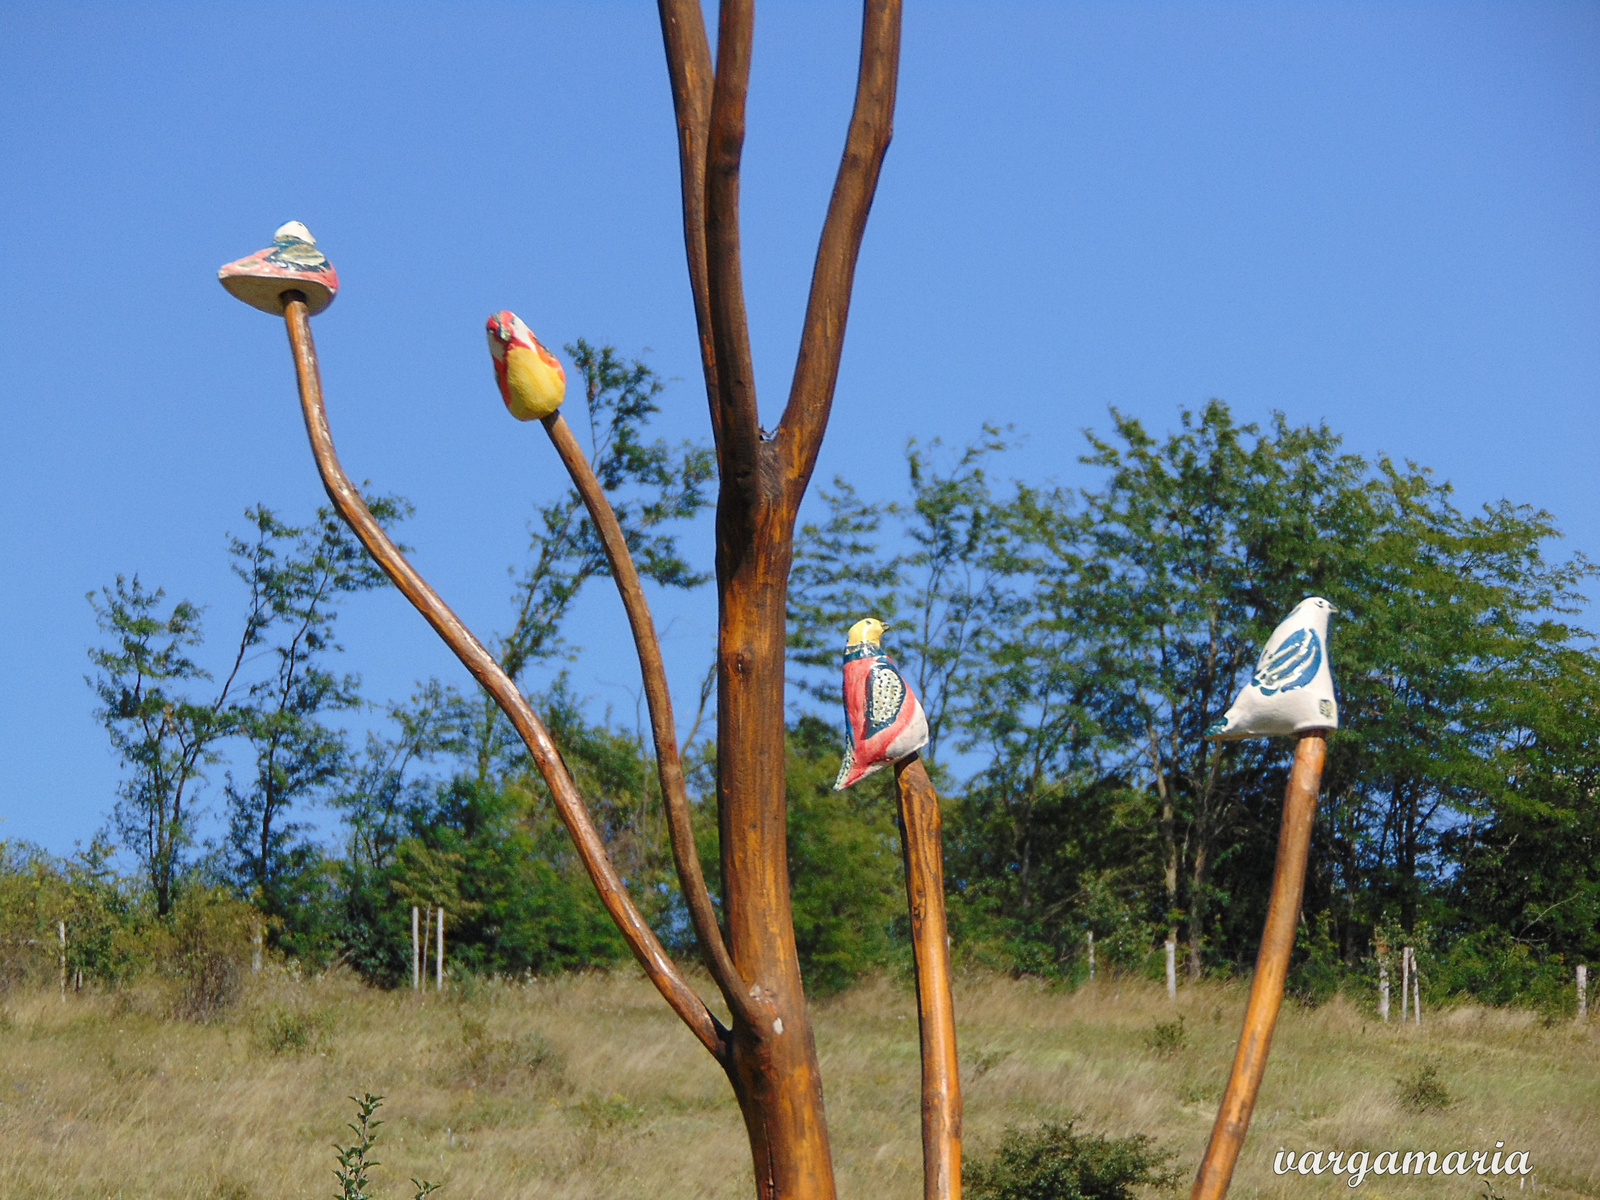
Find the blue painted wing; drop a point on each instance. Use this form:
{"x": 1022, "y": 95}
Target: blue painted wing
{"x": 1292, "y": 665}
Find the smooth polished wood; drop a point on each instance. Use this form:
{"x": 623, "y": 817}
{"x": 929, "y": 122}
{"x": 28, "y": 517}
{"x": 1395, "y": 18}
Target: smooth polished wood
{"x": 347, "y": 499}
{"x": 1272, "y": 967}
{"x": 761, "y": 482}
{"x": 658, "y": 699}
{"x": 920, "y": 831}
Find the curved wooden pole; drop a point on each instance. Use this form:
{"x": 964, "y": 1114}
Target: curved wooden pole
{"x": 662, "y": 971}
{"x": 930, "y": 941}
{"x": 658, "y": 698}
{"x": 1272, "y": 967}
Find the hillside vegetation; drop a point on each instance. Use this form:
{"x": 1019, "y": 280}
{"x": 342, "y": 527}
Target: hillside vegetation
{"x": 585, "y": 1086}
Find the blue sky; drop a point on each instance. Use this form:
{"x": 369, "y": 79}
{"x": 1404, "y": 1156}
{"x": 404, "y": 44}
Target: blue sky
{"x": 1386, "y": 216}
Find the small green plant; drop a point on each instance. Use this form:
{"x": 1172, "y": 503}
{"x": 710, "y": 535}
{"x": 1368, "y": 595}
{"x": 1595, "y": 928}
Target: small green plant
{"x": 1054, "y": 1162}
{"x": 1167, "y": 1038}
{"x": 353, "y": 1160}
{"x": 1424, "y": 1091}
{"x": 286, "y": 1031}
{"x": 612, "y": 1112}
{"x": 489, "y": 1061}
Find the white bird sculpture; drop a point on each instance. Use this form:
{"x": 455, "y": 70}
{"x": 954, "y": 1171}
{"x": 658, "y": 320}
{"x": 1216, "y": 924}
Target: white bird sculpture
{"x": 1291, "y": 689}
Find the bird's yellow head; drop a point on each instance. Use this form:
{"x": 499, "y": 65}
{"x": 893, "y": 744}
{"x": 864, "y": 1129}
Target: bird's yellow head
{"x": 532, "y": 382}
{"x": 868, "y": 629}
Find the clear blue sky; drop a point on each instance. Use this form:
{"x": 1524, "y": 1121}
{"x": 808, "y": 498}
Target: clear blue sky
{"x": 1382, "y": 215}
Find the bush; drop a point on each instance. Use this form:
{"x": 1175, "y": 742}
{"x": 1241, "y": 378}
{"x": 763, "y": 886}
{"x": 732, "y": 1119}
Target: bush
{"x": 1423, "y": 1091}
{"x": 209, "y": 946}
{"x": 1167, "y": 1038}
{"x": 1053, "y": 1162}
{"x": 287, "y": 1031}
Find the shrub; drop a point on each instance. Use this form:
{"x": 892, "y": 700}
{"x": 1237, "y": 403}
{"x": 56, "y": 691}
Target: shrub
{"x": 210, "y": 939}
{"x": 1423, "y": 1091}
{"x": 1054, "y": 1162}
{"x": 287, "y": 1031}
{"x": 1167, "y": 1038}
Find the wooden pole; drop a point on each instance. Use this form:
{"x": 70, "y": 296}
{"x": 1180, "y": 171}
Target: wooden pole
{"x": 438, "y": 972}
{"x": 930, "y": 942}
{"x": 255, "y": 947}
{"x": 1383, "y": 988}
{"x": 1416, "y": 987}
{"x": 1172, "y": 969}
{"x": 1405, "y": 983}
{"x": 416, "y": 950}
{"x": 1583, "y": 992}
{"x": 1091, "y": 956}
{"x": 1272, "y": 967}
{"x": 61, "y": 936}
{"x": 569, "y": 805}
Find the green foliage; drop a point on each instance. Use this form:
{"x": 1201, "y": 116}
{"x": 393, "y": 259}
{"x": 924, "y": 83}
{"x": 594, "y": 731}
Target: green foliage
{"x": 284, "y": 1030}
{"x": 845, "y": 874}
{"x": 1423, "y": 1090}
{"x": 1055, "y": 1162}
{"x": 354, "y": 1160}
{"x": 1167, "y": 1038}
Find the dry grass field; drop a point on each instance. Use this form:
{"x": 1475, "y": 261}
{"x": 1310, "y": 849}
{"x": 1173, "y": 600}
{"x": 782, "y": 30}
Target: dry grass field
{"x": 586, "y": 1087}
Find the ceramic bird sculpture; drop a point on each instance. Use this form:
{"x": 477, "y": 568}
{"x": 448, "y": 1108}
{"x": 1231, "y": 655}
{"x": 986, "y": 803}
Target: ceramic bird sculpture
{"x": 291, "y": 263}
{"x": 531, "y": 380}
{"x": 1291, "y": 689}
{"x": 883, "y": 719}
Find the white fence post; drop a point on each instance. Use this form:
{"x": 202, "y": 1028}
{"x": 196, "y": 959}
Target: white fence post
{"x": 416, "y": 950}
{"x": 61, "y": 935}
{"x": 255, "y": 946}
{"x": 438, "y": 977}
{"x": 1091, "y": 956}
{"x": 1172, "y": 969}
{"x": 1383, "y": 988}
{"x": 1583, "y": 992}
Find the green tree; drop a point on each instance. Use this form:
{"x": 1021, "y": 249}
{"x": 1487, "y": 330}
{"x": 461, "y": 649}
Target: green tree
{"x": 296, "y": 576}
{"x": 163, "y": 736}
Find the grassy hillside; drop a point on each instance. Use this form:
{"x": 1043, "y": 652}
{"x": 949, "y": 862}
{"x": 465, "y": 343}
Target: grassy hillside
{"x": 587, "y": 1087}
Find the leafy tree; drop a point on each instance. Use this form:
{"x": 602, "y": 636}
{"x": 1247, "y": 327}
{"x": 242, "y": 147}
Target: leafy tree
{"x": 164, "y": 738}
{"x": 297, "y": 576}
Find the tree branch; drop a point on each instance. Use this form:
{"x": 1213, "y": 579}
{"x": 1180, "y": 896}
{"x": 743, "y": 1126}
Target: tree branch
{"x": 668, "y": 764}
{"x": 739, "y": 436}
{"x": 569, "y": 805}
{"x": 822, "y": 338}
{"x": 683, "y": 29}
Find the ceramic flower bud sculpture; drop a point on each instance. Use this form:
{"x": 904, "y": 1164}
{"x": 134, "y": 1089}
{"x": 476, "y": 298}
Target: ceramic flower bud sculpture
{"x": 531, "y": 380}
{"x": 1291, "y": 689}
{"x": 883, "y": 719}
{"x": 291, "y": 264}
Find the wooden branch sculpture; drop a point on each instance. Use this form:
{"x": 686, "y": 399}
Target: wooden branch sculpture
{"x": 769, "y": 1053}
{"x": 1290, "y": 693}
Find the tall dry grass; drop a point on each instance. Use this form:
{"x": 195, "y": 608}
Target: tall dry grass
{"x": 587, "y": 1087}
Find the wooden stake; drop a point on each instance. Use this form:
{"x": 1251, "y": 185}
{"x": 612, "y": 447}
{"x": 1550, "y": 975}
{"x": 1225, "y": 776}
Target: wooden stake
{"x": 255, "y": 947}
{"x": 1383, "y": 989}
{"x": 61, "y": 935}
{"x": 1583, "y": 992}
{"x": 438, "y": 974}
{"x": 1172, "y": 969}
{"x": 1272, "y": 967}
{"x": 1405, "y": 983}
{"x": 1091, "y": 956}
{"x": 416, "y": 950}
{"x": 1416, "y": 987}
{"x": 930, "y": 942}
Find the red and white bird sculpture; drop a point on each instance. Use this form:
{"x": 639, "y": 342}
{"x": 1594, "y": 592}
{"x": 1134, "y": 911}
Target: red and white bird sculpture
{"x": 532, "y": 382}
{"x": 291, "y": 264}
{"x": 883, "y": 719}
